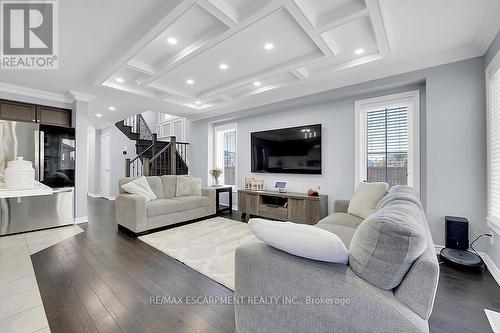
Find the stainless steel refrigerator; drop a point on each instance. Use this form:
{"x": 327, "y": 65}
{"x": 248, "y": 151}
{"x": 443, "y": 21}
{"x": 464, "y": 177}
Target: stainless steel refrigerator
{"x": 52, "y": 151}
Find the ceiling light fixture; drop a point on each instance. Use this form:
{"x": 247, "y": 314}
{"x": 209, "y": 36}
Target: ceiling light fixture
{"x": 98, "y": 115}
{"x": 257, "y": 83}
{"x": 269, "y": 46}
{"x": 359, "y": 51}
{"x": 111, "y": 108}
{"x": 119, "y": 80}
{"x": 172, "y": 40}
{"x": 190, "y": 81}
{"x": 198, "y": 102}
{"x": 223, "y": 66}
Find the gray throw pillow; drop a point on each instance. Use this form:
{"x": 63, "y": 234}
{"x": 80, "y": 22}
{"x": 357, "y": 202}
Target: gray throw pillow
{"x": 387, "y": 243}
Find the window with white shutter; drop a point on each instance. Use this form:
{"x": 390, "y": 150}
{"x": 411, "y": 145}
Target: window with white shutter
{"x": 493, "y": 105}
{"x": 387, "y": 140}
{"x": 225, "y": 152}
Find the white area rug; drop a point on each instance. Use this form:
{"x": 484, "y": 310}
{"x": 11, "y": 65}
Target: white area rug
{"x": 207, "y": 246}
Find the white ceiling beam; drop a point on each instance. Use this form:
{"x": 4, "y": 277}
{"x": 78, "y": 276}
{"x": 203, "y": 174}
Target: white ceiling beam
{"x": 378, "y": 27}
{"x": 330, "y": 22}
{"x": 287, "y": 66}
{"x": 302, "y": 20}
{"x": 222, "y": 10}
{"x": 298, "y": 74}
{"x": 164, "y": 22}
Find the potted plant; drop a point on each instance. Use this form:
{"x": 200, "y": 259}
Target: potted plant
{"x": 215, "y": 173}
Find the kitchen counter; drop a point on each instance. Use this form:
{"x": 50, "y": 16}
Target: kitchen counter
{"x": 37, "y": 190}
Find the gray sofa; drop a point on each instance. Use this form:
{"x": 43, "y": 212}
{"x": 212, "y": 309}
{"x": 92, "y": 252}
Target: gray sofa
{"x": 136, "y": 216}
{"x": 377, "y": 291}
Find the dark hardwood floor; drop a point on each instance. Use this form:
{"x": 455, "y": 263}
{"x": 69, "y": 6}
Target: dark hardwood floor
{"x": 101, "y": 281}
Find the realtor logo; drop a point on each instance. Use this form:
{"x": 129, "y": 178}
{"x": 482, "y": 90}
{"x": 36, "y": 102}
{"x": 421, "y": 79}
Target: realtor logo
{"x": 29, "y": 35}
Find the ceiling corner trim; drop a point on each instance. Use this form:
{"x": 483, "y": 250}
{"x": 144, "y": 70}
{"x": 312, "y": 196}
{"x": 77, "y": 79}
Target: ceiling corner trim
{"x": 79, "y": 96}
{"x": 34, "y": 93}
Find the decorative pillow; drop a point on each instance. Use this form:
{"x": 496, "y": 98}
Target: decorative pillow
{"x": 188, "y": 186}
{"x": 365, "y": 199}
{"x": 387, "y": 243}
{"x": 140, "y": 186}
{"x": 301, "y": 240}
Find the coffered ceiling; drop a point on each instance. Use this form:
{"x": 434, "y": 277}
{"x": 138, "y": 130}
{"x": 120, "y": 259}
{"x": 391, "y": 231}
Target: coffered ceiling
{"x": 138, "y": 55}
{"x": 210, "y": 53}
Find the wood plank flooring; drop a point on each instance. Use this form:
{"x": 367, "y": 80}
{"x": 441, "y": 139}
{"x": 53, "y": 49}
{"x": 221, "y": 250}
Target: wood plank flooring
{"x": 102, "y": 281}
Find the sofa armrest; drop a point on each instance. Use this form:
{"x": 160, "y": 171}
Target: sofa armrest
{"x": 210, "y": 193}
{"x": 341, "y": 206}
{"x": 278, "y": 292}
{"x": 130, "y": 212}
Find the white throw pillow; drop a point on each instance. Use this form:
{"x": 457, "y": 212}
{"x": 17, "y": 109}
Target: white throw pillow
{"x": 302, "y": 240}
{"x": 140, "y": 186}
{"x": 188, "y": 186}
{"x": 365, "y": 199}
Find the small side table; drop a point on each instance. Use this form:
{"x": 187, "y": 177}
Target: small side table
{"x": 218, "y": 191}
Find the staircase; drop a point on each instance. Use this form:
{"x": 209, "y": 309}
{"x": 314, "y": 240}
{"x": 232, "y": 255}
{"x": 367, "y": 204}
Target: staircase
{"x": 153, "y": 157}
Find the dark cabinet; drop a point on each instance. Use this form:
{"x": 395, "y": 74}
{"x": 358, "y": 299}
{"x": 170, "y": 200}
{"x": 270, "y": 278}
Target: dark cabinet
{"x": 17, "y": 111}
{"x": 53, "y": 116}
{"x": 47, "y": 115}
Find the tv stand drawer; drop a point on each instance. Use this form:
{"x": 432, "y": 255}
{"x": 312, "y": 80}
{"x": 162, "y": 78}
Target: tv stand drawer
{"x": 273, "y": 212}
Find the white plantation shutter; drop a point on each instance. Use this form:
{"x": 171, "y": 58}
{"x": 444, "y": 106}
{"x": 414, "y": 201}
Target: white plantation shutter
{"x": 493, "y": 78}
{"x": 387, "y": 145}
{"x": 387, "y": 139}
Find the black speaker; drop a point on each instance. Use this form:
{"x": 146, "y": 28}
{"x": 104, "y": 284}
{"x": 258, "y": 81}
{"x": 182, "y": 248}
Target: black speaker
{"x": 457, "y": 233}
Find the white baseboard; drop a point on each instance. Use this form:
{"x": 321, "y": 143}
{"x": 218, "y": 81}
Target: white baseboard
{"x": 492, "y": 268}
{"x": 82, "y": 219}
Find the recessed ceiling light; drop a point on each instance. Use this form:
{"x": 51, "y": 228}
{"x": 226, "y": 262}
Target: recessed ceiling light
{"x": 111, "y": 108}
{"x": 119, "y": 80}
{"x": 190, "y": 81}
{"x": 269, "y": 46}
{"x": 359, "y": 51}
{"x": 198, "y": 102}
{"x": 223, "y": 66}
{"x": 257, "y": 83}
{"x": 172, "y": 40}
{"x": 98, "y": 115}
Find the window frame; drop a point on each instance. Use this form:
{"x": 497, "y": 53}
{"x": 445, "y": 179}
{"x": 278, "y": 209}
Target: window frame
{"x": 362, "y": 106}
{"x": 225, "y": 128}
{"x": 493, "y": 68}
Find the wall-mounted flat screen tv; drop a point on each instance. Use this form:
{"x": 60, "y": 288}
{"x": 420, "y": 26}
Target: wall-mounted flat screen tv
{"x": 288, "y": 150}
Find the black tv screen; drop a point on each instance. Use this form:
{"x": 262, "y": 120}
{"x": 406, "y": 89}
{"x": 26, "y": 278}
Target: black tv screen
{"x": 289, "y": 150}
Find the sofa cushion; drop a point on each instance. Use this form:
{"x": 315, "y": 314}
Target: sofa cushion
{"x": 193, "y": 202}
{"x": 387, "y": 243}
{"x": 343, "y": 219}
{"x": 365, "y": 199}
{"x": 302, "y": 240}
{"x": 162, "y": 207}
{"x": 153, "y": 181}
{"x": 169, "y": 184}
{"x": 139, "y": 186}
{"x": 400, "y": 192}
{"x": 343, "y": 232}
{"x": 188, "y": 186}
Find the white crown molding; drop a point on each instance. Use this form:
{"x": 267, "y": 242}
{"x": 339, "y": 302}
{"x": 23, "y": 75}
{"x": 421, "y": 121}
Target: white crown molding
{"x": 35, "y": 93}
{"x": 489, "y": 29}
{"x": 80, "y": 97}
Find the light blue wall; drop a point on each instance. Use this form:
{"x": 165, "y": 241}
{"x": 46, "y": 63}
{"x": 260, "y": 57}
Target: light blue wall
{"x": 453, "y": 141}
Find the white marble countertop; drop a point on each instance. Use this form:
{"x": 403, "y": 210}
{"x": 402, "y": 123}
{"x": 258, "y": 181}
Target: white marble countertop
{"x": 38, "y": 189}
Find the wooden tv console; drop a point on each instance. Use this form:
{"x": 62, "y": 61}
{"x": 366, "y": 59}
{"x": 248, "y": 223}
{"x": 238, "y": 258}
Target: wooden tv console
{"x": 283, "y": 206}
